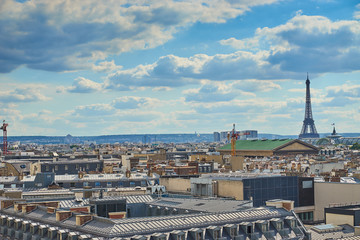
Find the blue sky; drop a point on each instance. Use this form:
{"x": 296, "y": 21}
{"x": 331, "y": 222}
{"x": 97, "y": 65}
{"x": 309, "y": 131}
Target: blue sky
{"x": 140, "y": 67}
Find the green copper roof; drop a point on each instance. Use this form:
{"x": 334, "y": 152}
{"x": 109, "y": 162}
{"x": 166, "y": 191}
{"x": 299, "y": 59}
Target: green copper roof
{"x": 257, "y": 144}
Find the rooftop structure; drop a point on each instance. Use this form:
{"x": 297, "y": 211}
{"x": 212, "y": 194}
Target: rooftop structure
{"x": 200, "y": 205}
{"x": 266, "y": 222}
{"x": 253, "y": 148}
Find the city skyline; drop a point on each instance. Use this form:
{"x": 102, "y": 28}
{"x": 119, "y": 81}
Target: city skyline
{"x": 134, "y": 67}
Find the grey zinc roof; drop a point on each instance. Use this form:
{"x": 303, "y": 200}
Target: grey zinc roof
{"x": 129, "y": 199}
{"x": 28, "y": 178}
{"x": 139, "y": 199}
{"x": 74, "y": 203}
{"x": 141, "y": 226}
{"x": 114, "y": 176}
{"x": 70, "y": 177}
{"x": 133, "y": 226}
{"x": 8, "y": 179}
{"x": 203, "y": 205}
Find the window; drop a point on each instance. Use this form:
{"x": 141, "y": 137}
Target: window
{"x": 72, "y": 185}
{"x": 56, "y": 167}
{"x": 66, "y": 167}
{"x": 216, "y": 234}
{"x": 180, "y": 237}
{"x": 77, "y": 167}
{"x": 47, "y": 168}
{"x": 307, "y": 184}
{"x": 233, "y": 232}
{"x": 87, "y": 166}
{"x": 264, "y": 227}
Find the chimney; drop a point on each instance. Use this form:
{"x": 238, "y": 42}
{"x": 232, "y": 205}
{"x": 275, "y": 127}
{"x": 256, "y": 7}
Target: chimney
{"x": 82, "y": 219}
{"x": 80, "y": 209}
{"x": 117, "y": 215}
{"x": 51, "y": 210}
{"x": 150, "y": 173}
{"x": 81, "y": 174}
{"x": 6, "y": 203}
{"x": 18, "y": 206}
{"x": 128, "y": 173}
{"x": 62, "y": 215}
{"x": 28, "y": 208}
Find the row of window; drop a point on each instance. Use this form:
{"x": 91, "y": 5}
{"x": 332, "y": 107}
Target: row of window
{"x": 66, "y": 167}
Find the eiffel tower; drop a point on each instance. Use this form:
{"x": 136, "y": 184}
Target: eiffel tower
{"x": 308, "y": 129}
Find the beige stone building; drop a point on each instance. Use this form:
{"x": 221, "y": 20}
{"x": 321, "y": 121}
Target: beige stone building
{"x": 329, "y": 194}
{"x": 207, "y": 158}
{"x": 176, "y": 185}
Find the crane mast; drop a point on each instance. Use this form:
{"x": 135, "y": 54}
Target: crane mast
{"x": 3, "y": 127}
{"x": 233, "y": 136}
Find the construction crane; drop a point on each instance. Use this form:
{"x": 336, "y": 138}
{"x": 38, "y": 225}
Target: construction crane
{"x": 3, "y": 127}
{"x": 233, "y": 136}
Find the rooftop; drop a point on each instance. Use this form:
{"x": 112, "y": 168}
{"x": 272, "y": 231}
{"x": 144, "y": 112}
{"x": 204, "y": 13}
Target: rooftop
{"x": 203, "y": 205}
{"x": 257, "y": 144}
{"x": 103, "y": 227}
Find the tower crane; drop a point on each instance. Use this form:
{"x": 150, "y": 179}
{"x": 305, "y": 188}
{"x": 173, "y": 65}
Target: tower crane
{"x": 3, "y": 127}
{"x": 233, "y": 136}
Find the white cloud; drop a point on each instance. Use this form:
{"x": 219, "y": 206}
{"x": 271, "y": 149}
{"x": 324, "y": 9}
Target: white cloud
{"x": 210, "y": 92}
{"x": 82, "y": 85}
{"x": 287, "y": 51}
{"x": 73, "y": 35}
{"x": 93, "y": 110}
{"x": 340, "y": 96}
{"x": 302, "y": 45}
{"x": 241, "y": 107}
{"x": 256, "y": 86}
{"x": 244, "y": 44}
{"x": 131, "y": 102}
{"x": 357, "y": 13}
{"x": 25, "y": 94}
{"x": 161, "y": 89}
{"x": 344, "y": 90}
{"x": 173, "y": 71}
{"x": 106, "y": 66}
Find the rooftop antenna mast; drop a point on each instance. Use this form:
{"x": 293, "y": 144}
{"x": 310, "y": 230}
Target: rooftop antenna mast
{"x": 3, "y": 127}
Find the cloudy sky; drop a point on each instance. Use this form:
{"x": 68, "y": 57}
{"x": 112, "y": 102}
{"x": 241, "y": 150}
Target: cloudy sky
{"x": 177, "y": 66}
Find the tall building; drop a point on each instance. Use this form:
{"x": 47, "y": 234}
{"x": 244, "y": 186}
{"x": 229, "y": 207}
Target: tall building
{"x": 216, "y": 137}
{"x": 308, "y": 129}
{"x": 248, "y": 135}
{"x": 243, "y": 135}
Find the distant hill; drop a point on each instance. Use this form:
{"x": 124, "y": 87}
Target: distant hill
{"x": 142, "y": 138}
